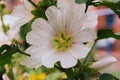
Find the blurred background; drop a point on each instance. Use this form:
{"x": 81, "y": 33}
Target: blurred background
{"x": 106, "y": 20}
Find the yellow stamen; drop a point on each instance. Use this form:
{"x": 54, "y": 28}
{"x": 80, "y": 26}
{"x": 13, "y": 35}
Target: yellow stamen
{"x": 62, "y": 42}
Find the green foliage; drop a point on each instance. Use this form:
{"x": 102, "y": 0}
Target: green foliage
{"x": 70, "y": 74}
{"x": 116, "y": 74}
{"x": 81, "y": 1}
{"x": 25, "y": 29}
{"x": 106, "y": 76}
{"x": 6, "y": 53}
{"x": 41, "y": 8}
{"x": 106, "y": 33}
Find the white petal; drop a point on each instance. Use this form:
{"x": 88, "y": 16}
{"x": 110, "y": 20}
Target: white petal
{"x": 79, "y": 51}
{"x": 21, "y": 12}
{"x": 66, "y": 8}
{"x": 36, "y": 52}
{"x": 41, "y": 33}
{"x": 42, "y": 25}
{"x": 9, "y": 20}
{"x": 38, "y": 38}
{"x": 85, "y": 35}
{"x": 55, "y": 18}
{"x": 67, "y": 60}
{"x": 77, "y": 21}
{"x": 91, "y": 21}
{"x": 27, "y": 5}
{"x": 31, "y": 63}
{"x": 16, "y": 26}
{"x": 80, "y": 7}
{"x": 104, "y": 63}
{"x": 65, "y": 3}
{"x": 108, "y": 69}
{"x": 49, "y": 59}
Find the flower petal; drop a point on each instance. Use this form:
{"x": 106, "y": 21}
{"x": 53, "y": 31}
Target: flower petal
{"x": 21, "y": 12}
{"x": 31, "y": 63}
{"x": 66, "y": 9}
{"x": 65, "y": 3}
{"x": 42, "y": 25}
{"x": 55, "y": 18}
{"x": 41, "y": 33}
{"x": 16, "y": 26}
{"x": 79, "y": 7}
{"x": 91, "y": 21}
{"x": 77, "y": 21}
{"x": 27, "y": 5}
{"x": 85, "y": 35}
{"x": 49, "y": 59}
{"x": 34, "y": 61}
{"x": 9, "y": 20}
{"x": 105, "y": 63}
{"x": 79, "y": 51}
{"x": 67, "y": 60}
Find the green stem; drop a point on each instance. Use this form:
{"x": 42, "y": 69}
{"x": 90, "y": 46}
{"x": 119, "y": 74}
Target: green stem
{"x": 24, "y": 53}
{"x": 34, "y": 4}
{"x": 86, "y": 7}
{"x": 3, "y": 25}
{"x": 86, "y": 59}
{"x": 89, "y": 54}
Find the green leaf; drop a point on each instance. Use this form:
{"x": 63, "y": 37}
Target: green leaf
{"x": 35, "y": 13}
{"x": 25, "y": 29}
{"x": 70, "y": 74}
{"x": 116, "y": 74}
{"x": 81, "y": 1}
{"x": 106, "y": 33}
{"x": 106, "y": 76}
{"x": 6, "y": 53}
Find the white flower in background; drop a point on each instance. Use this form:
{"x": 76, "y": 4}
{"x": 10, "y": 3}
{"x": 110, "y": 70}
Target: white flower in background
{"x": 22, "y": 11}
{"x": 62, "y": 37}
{"x": 105, "y": 65}
{"x": 10, "y": 34}
{"x": 20, "y": 15}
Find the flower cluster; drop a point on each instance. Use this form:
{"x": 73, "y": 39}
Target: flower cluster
{"x": 61, "y": 32}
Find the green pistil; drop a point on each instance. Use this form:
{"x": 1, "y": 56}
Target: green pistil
{"x": 5, "y": 28}
{"x": 62, "y": 42}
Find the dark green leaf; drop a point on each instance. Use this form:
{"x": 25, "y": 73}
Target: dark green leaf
{"x": 6, "y": 53}
{"x": 70, "y": 74}
{"x": 35, "y": 13}
{"x": 106, "y": 33}
{"x": 25, "y": 29}
{"x": 106, "y": 76}
{"x": 80, "y": 1}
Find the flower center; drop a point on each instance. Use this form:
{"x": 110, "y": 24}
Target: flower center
{"x": 62, "y": 42}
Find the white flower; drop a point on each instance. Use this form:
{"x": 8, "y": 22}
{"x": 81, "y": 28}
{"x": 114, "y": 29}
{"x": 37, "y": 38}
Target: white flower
{"x": 23, "y": 12}
{"x": 15, "y": 20}
{"x": 10, "y": 34}
{"x": 62, "y": 37}
{"x": 27, "y": 5}
{"x": 105, "y": 65}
